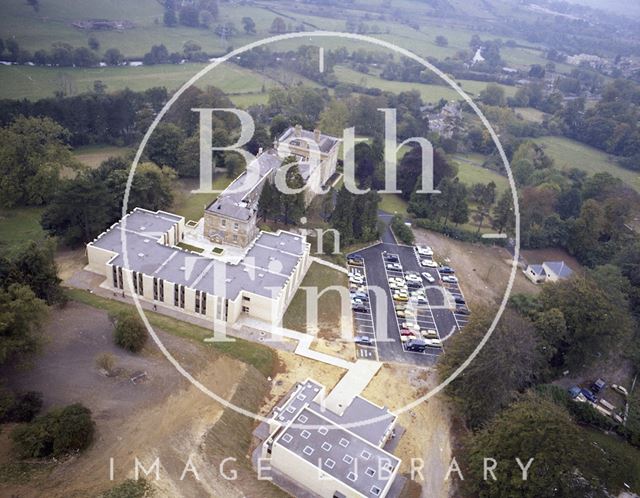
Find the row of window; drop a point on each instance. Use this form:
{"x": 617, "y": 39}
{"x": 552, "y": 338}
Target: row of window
{"x": 223, "y": 224}
{"x": 158, "y": 290}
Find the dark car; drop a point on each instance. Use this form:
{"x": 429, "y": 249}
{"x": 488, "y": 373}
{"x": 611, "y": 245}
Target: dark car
{"x": 589, "y": 395}
{"x": 414, "y": 285}
{"x": 598, "y": 385}
{"x": 461, "y": 310}
{"x": 460, "y": 300}
{"x": 360, "y": 295}
{"x": 392, "y": 258}
{"x": 447, "y": 270}
{"x": 359, "y": 308}
{"x": 417, "y": 345}
{"x": 363, "y": 339}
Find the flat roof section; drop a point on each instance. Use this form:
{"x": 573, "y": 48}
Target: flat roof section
{"x": 325, "y": 142}
{"x": 345, "y": 456}
{"x": 263, "y": 270}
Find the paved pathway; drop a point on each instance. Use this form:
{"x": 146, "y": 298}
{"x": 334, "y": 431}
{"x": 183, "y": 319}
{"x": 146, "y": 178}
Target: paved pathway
{"x": 324, "y": 262}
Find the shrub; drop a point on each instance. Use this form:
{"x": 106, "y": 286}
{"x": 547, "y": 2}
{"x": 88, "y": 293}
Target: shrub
{"x": 59, "y": 432}
{"x": 19, "y": 408}
{"x": 130, "y": 488}
{"x": 106, "y": 362}
{"x": 402, "y": 231}
{"x": 130, "y": 332}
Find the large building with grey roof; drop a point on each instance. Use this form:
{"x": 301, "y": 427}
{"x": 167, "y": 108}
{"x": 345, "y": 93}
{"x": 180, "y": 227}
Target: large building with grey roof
{"x": 330, "y": 454}
{"x": 233, "y": 217}
{"x": 139, "y": 254}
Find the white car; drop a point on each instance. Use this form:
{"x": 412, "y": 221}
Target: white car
{"x": 424, "y": 250}
{"x": 429, "y": 334}
{"x": 394, "y": 266}
{"x": 429, "y": 263}
{"x": 450, "y": 279}
{"x": 396, "y": 280}
{"x": 434, "y": 343}
{"x": 397, "y": 286}
{"x": 620, "y": 389}
{"x": 356, "y": 279}
{"x": 412, "y": 278}
{"x": 428, "y": 277}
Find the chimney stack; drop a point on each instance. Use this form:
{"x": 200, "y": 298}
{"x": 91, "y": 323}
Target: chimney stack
{"x": 298, "y": 130}
{"x": 316, "y": 135}
{"x": 260, "y": 151}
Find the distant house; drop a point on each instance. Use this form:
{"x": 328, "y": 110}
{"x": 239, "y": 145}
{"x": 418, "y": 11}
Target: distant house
{"x": 549, "y": 271}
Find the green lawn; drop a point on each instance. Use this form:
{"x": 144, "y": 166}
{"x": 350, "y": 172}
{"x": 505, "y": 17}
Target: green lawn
{"x": 191, "y": 205}
{"x": 393, "y": 203}
{"x": 19, "y": 226}
{"x": 429, "y": 93}
{"x": 568, "y": 154}
{"x": 530, "y": 114}
{"x": 93, "y": 155}
{"x": 470, "y": 171}
{"x": 320, "y": 277}
{"x": 261, "y": 357}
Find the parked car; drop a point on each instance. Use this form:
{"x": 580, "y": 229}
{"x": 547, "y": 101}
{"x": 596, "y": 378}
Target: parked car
{"x": 620, "y": 389}
{"x": 421, "y": 300}
{"x": 450, "y": 279}
{"x": 359, "y": 308}
{"x": 606, "y": 404}
{"x": 446, "y": 270}
{"x": 355, "y": 260}
{"x": 589, "y": 395}
{"x": 360, "y": 295}
{"x": 356, "y": 279}
{"x": 434, "y": 343}
{"x": 598, "y": 385}
{"x": 391, "y": 257}
{"x": 397, "y": 280}
{"x": 401, "y": 296}
{"x": 461, "y": 310}
{"x": 417, "y": 345}
{"x": 424, "y": 250}
{"x": 459, "y": 300}
{"x": 429, "y": 334}
{"x": 363, "y": 339}
{"x": 412, "y": 277}
{"x": 410, "y": 326}
{"x": 414, "y": 285}
{"x": 394, "y": 266}
{"x": 429, "y": 263}
{"x": 428, "y": 277}
{"x": 574, "y": 391}
{"x": 406, "y": 332}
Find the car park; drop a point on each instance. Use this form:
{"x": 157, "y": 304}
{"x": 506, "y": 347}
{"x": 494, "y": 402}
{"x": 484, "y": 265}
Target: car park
{"x": 449, "y": 279}
{"x": 363, "y": 339}
{"x": 428, "y": 277}
{"x": 394, "y": 266}
{"x": 620, "y": 389}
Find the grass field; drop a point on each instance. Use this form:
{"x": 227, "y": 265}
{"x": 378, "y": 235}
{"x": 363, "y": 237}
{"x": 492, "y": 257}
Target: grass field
{"x": 470, "y": 171}
{"x": 571, "y": 154}
{"x": 530, "y": 114}
{"x": 393, "y": 203}
{"x": 429, "y": 93}
{"x": 319, "y": 277}
{"x": 191, "y": 205}
{"x": 93, "y": 155}
{"x": 19, "y": 226}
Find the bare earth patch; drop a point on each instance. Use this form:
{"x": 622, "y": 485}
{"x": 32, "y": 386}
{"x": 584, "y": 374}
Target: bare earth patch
{"x": 483, "y": 270}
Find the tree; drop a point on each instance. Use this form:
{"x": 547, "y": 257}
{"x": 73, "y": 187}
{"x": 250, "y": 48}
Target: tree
{"x": 33, "y": 152}
{"x": 503, "y": 216}
{"x": 249, "y": 26}
{"x": 83, "y": 57}
{"x": 189, "y": 15}
{"x": 130, "y": 488}
{"x": 22, "y": 407}
{"x": 485, "y": 199}
{"x": 93, "y": 43}
{"x": 565, "y": 461}
{"x": 334, "y": 118}
{"x": 441, "y": 41}
{"x": 342, "y": 216}
{"x": 163, "y": 145}
{"x": 402, "y": 231}
{"x": 129, "y": 333}
{"x": 507, "y": 364}
{"x": 493, "y": 94}
{"x": 169, "y": 18}
{"x": 21, "y": 316}
{"x": 269, "y": 203}
{"x": 99, "y": 87}
{"x": 113, "y": 57}
{"x": 278, "y": 26}
{"x": 293, "y": 205}
{"x": 57, "y": 433}
{"x": 35, "y": 266}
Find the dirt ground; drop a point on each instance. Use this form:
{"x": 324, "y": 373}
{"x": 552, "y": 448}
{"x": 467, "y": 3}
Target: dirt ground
{"x": 69, "y": 261}
{"x": 164, "y": 416}
{"x": 483, "y": 270}
{"x": 427, "y": 441}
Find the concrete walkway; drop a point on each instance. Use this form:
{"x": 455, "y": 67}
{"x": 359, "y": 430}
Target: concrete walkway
{"x": 352, "y": 383}
{"x": 324, "y": 262}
